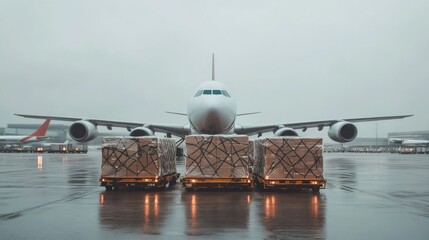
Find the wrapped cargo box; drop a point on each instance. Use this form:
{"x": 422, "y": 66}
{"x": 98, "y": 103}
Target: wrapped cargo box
{"x": 138, "y": 162}
{"x": 286, "y": 162}
{"x": 217, "y": 161}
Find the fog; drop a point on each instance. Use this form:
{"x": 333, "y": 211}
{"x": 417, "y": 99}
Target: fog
{"x": 292, "y": 60}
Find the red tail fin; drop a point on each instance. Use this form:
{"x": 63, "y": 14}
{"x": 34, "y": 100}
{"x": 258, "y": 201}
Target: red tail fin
{"x": 40, "y": 132}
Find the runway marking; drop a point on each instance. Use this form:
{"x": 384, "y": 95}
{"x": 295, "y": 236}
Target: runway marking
{"x": 68, "y": 198}
{"x": 348, "y": 189}
{"x": 10, "y": 216}
{"x": 5, "y": 172}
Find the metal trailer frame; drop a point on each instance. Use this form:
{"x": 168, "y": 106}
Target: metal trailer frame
{"x": 283, "y": 184}
{"x": 157, "y": 182}
{"x": 198, "y": 183}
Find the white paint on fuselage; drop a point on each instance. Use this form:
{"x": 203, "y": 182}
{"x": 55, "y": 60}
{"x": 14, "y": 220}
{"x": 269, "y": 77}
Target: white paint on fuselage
{"x": 211, "y": 113}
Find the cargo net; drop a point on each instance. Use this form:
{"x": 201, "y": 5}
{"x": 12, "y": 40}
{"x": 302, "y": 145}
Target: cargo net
{"x": 289, "y": 158}
{"x": 138, "y": 157}
{"x": 217, "y": 156}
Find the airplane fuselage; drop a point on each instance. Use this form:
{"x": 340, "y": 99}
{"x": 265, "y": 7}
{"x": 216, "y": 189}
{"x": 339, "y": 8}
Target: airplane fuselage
{"x": 212, "y": 110}
{"x": 18, "y": 139}
{"x": 37, "y": 136}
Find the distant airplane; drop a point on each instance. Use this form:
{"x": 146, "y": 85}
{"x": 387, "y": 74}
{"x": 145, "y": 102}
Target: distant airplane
{"x": 37, "y": 136}
{"x": 408, "y": 142}
{"x": 212, "y": 110}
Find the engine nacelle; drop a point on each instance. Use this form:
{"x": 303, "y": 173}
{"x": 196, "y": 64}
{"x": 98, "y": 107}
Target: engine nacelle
{"x": 141, "y": 132}
{"x": 343, "y": 132}
{"x": 285, "y": 132}
{"x": 83, "y": 131}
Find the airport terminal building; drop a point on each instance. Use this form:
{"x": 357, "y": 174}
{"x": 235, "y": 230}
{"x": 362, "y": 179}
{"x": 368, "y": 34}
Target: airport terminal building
{"x": 414, "y": 135}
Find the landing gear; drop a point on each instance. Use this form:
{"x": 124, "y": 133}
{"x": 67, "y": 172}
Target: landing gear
{"x": 179, "y": 151}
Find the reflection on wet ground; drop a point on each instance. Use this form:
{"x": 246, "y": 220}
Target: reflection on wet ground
{"x": 372, "y": 196}
{"x": 144, "y": 212}
{"x": 210, "y": 212}
{"x": 293, "y": 214}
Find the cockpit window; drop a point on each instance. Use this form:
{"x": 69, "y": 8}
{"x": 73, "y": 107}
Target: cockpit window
{"x": 210, "y": 92}
{"x": 199, "y": 93}
{"x": 225, "y": 93}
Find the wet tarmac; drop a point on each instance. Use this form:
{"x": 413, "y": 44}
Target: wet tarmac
{"x": 369, "y": 196}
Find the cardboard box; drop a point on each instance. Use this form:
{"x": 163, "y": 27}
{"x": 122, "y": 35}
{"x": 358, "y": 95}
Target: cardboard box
{"x": 217, "y": 156}
{"x": 138, "y": 157}
{"x": 289, "y": 158}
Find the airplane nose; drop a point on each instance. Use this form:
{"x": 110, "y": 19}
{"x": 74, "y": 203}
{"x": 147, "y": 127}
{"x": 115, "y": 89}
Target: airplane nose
{"x": 213, "y": 119}
{"x": 214, "y": 112}
{"x": 217, "y": 119}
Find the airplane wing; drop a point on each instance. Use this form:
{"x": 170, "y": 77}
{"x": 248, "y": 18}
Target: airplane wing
{"x": 250, "y": 130}
{"x": 175, "y": 129}
{"x": 183, "y": 130}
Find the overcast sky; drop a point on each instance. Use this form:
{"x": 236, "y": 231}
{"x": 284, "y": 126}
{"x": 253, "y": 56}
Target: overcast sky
{"x": 292, "y": 60}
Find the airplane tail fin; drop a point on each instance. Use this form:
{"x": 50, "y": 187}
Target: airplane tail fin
{"x": 40, "y": 132}
{"x": 213, "y": 68}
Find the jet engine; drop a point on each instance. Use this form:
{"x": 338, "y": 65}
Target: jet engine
{"x": 343, "y": 132}
{"x": 141, "y": 131}
{"x": 285, "y": 132}
{"x": 83, "y": 131}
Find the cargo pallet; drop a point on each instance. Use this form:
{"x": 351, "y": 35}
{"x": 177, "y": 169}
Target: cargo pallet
{"x": 198, "y": 183}
{"x": 115, "y": 183}
{"x": 282, "y": 184}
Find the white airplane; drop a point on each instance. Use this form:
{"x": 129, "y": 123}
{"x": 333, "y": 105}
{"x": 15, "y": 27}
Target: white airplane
{"x": 408, "y": 142}
{"x": 212, "y": 110}
{"x": 37, "y": 136}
